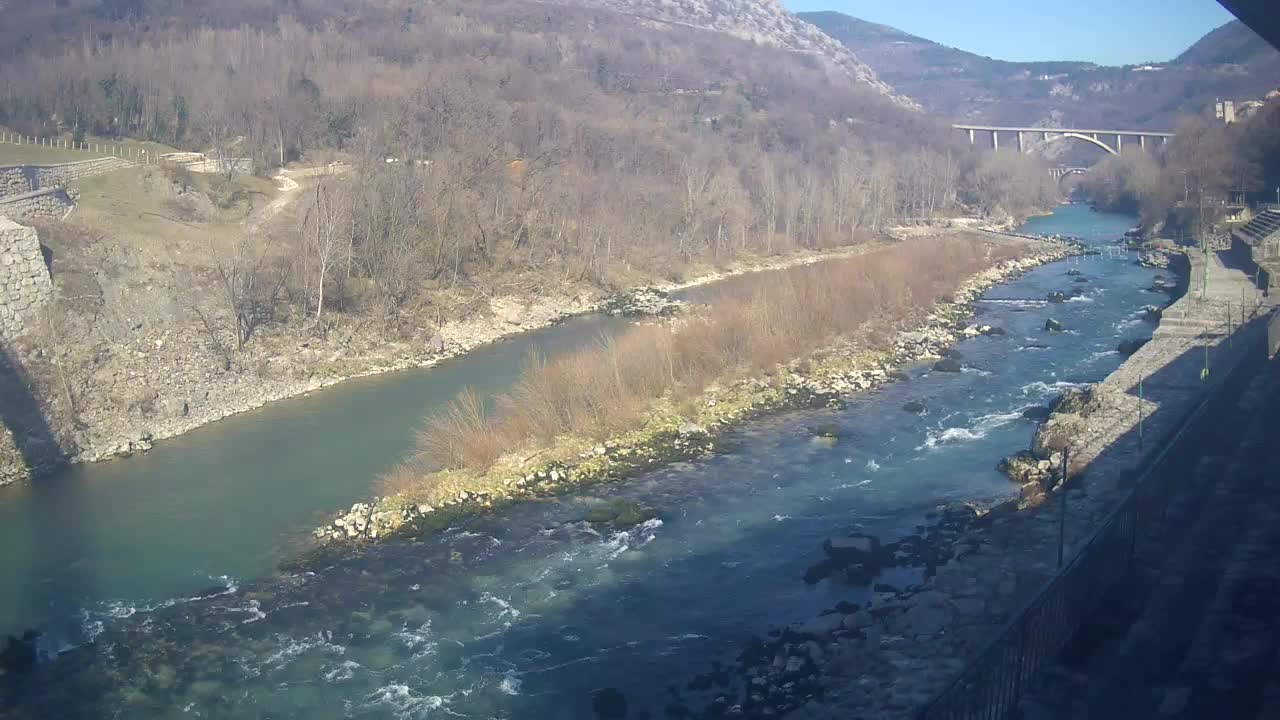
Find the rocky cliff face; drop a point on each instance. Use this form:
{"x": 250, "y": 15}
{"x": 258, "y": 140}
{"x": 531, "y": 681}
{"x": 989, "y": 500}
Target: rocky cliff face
{"x": 763, "y": 21}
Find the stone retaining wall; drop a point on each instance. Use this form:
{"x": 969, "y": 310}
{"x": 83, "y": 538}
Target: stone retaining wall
{"x": 23, "y": 179}
{"x": 25, "y": 285}
{"x": 51, "y": 203}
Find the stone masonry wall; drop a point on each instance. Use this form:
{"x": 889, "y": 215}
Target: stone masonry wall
{"x": 22, "y": 179}
{"x": 25, "y": 284}
{"x": 52, "y": 204}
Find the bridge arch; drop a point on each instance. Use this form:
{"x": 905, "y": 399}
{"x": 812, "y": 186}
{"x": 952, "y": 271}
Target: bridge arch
{"x": 1060, "y": 174}
{"x": 1085, "y": 138}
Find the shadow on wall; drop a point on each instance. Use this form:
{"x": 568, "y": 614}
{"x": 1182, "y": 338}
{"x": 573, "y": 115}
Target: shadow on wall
{"x": 36, "y": 445}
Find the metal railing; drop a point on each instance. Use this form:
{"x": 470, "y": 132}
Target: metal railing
{"x": 991, "y": 685}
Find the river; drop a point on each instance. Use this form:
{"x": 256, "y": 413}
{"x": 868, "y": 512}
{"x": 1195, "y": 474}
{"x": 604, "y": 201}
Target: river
{"x": 524, "y": 612}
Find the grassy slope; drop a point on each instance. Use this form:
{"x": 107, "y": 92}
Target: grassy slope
{"x": 11, "y": 154}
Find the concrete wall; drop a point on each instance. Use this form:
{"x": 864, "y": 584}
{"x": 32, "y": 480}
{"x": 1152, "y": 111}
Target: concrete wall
{"x": 49, "y": 204}
{"x": 25, "y": 285}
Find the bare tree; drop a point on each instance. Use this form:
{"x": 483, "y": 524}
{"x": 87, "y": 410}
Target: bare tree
{"x": 326, "y": 230}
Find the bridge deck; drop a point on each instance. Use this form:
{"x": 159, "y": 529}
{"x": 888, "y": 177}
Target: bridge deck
{"x": 1002, "y": 128}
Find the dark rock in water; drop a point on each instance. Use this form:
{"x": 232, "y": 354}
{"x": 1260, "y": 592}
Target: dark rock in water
{"x": 947, "y": 365}
{"x": 855, "y": 547}
{"x": 1036, "y": 412}
{"x": 1081, "y": 280}
{"x": 623, "y": 513}
{"x": 1074, "y": 271}
{"x": 1035, "y": 346}
{"x": 1129, "y": 347}
{"x": 1152, "y": 314}
{"x": 1052, "y": 325}
{"x": 953, "y": 354}
{"x": 915, "y": 406}
{"x": 19, "y": 654}
{"x": 994, "y": 331}
{"x": 1056, "y": 297}
{"x": 609, "y": 704}
{"x": 827, "y": 430}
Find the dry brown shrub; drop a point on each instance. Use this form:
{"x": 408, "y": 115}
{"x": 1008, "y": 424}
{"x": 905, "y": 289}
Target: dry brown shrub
{"x": 779, "y": 317}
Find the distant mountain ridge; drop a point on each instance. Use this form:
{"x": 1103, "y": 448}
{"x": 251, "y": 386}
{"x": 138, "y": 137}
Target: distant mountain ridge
{"x": 1230, "y": 62}
{"x": 762, "y": 21}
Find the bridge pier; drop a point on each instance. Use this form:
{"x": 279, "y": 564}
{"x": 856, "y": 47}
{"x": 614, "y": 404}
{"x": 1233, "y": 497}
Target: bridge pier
{"x": 1021, "y": 147}
{"x": 970, "y": 136}
{"x": 1119, "y": 143}
{"x": 995, "y": 139}
{"x": 1142, "y": 142}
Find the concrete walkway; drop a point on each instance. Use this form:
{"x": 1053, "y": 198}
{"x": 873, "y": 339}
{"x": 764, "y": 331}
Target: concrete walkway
{"x": 1195, "y": 631}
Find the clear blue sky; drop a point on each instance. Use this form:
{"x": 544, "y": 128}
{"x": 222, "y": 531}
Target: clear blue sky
{"x": 1107, "y": 32}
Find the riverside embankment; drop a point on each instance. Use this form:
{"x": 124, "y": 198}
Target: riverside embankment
{"x": 886, "y": 658}
{"x": 665, "y": 434}
{"x": 182, "y": 394}
{"x": 523, "y": 612}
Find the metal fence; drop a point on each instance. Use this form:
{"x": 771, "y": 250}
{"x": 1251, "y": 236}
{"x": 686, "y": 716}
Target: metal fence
{"x": 990, "y": 687}
{"x": 124, "y": 151}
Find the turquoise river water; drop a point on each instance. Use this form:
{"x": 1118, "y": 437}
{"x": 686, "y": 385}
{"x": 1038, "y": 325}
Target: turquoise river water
{"x": 155, "y": 580}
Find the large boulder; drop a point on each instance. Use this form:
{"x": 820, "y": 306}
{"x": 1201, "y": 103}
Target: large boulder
{"x": 949, "y": 365}
{"x": 1077, "y": 401}
{"x": 1056, "y": 297}
{"x": 1052, "y": 325}
{"x": 914, "y": 406}
{"x": 1036, "y": 412}
{"x": 852, "y": 548}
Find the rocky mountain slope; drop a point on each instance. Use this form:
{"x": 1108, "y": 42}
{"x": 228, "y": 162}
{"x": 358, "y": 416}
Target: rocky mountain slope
{"x": 1230, "y": 62}
{"x": 762, "y": 21}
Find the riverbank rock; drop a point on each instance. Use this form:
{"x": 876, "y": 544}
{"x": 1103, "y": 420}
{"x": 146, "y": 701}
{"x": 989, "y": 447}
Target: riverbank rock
{"x": 1152, "y": 314}
{"x": 1129, "y": 347}
{"x": 947, "y": 365}
{"x": 1036, "y": 412}
{"x": 1052, "y": 325}
{"x": 642, "y": 302}
{"x": 1154, "y": 259}
{"x": 1080, "y": 401}
{"x": 927, "y": 615}
{"x": 915, "y": 406}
